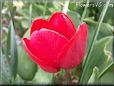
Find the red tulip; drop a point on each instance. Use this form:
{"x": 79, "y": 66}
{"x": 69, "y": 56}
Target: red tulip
{"x": 55, "y": 44}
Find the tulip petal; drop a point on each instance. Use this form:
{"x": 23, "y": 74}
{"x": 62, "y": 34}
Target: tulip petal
{"x": 59, "y": 22}
{"x": 73, "y": 52}
{"x": 62, "y": 24}
{"x": 45, "y": 66}
{"x": 38, "y": 24}
{"x": 46, "y": 44}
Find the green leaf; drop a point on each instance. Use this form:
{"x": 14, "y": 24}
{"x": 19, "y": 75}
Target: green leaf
{"x": 5, "y": 77}
{"x": 25, "y": 63}
{"x": 105, "y": 30}
{"x": 75, "y": 18}
{"x": 18, "y": 80}
{"x": 108, "y": 76}
{"x": 88, "y": 56}
{"x": 26, "y": 67}
{"x": 99, "y": 57}
{"x": 94, "y": 76}
{"x": 12, "y": 50}
{"x": 43, "y": 77}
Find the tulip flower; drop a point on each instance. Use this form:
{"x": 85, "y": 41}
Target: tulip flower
{"x": 56, "y": 44}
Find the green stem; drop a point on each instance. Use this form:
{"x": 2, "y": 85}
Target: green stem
{"x": 65, "y": 8}
{"x": 30, "y": 13}
{"x": 88, "y": 57}
{"x": 45, "y": 5}
{"x": 85, "y": 10}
